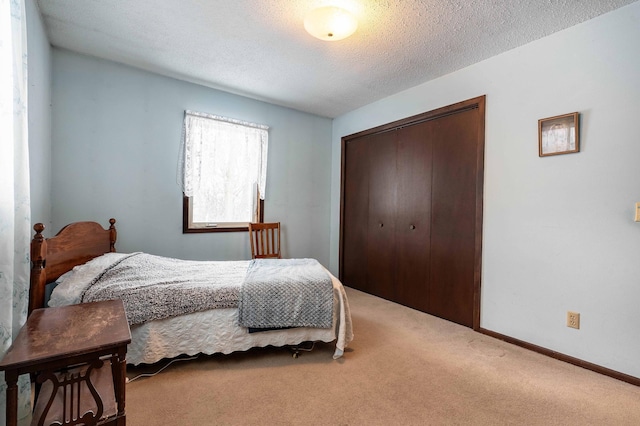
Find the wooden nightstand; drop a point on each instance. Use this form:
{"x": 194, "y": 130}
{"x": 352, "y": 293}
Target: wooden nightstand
{"x": 55, "y": 339}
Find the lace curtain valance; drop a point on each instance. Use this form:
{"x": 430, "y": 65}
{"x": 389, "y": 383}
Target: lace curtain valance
{"x": 199, "y": 150}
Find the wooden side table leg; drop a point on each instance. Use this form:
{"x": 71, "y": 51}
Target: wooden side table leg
{"x": 120, "y": 375}
{"x": 12, "y": 398}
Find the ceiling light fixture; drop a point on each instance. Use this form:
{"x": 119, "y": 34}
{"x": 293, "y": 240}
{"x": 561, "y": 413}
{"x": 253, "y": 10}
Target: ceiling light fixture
{"x": 330, "y": 23}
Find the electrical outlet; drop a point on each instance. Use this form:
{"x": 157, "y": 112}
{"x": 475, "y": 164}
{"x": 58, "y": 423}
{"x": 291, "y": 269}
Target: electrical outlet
{"x": 573, "y": 319}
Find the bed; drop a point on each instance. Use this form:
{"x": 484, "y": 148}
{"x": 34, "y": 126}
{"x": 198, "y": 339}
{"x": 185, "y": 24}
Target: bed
{"x": 80, "y": 249}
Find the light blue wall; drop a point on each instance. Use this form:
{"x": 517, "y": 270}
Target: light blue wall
{"x": 39, "y": 115}
{"x": 116, "y": 138}
{"x": 558, "y": 231}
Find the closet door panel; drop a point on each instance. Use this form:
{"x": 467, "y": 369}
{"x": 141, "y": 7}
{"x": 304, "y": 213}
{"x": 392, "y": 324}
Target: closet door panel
{"x": 382, "y": 213}
{"x": 413, "y": 219}
{"x": 355, "y": 214}
{"x": 453, "y": 217}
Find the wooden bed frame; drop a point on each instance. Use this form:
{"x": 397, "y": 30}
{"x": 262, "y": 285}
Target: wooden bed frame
{"x": 74, "y": 245}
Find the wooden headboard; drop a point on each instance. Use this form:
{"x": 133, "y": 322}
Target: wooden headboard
{"x": 75, "y": 244}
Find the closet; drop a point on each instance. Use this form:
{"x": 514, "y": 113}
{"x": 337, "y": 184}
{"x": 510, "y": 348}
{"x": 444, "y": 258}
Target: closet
{"x": 411, "y": 211}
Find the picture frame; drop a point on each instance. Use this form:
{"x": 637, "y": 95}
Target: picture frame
{"x": 559, "y": 135}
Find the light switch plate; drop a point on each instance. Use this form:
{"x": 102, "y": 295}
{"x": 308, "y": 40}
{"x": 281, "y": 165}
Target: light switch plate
{"x": 637, "y": 219}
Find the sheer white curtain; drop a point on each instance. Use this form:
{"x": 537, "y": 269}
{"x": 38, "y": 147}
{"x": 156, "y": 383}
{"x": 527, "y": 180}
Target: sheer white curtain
{"x": 15, "y": 232}
{"x": 224, "y": 162}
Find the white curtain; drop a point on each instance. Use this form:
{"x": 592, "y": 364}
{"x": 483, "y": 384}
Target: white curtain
{"x": 15, "y": 232}
{"x": 223, "y": 161}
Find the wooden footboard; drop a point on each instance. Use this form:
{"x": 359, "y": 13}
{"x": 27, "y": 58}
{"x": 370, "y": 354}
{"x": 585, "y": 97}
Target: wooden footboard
{"x": 75, "y": 244}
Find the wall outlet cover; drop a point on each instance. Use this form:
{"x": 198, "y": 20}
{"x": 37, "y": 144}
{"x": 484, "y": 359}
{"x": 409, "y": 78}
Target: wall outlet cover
{"x": 573, "y": 319}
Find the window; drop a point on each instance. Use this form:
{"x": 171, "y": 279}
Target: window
{"x": 223, "y": 173}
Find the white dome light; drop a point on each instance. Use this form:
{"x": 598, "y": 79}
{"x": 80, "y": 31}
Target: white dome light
{"x": 330, "y": 23}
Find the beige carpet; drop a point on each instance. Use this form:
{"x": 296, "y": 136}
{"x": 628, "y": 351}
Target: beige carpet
{"x": 404, "y": 367}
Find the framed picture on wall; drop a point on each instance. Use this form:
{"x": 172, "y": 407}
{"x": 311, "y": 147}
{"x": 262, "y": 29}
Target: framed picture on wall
{"x": 559, "y": 134}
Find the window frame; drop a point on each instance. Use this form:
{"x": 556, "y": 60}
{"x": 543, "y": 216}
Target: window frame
{"x": 232, "y": 227}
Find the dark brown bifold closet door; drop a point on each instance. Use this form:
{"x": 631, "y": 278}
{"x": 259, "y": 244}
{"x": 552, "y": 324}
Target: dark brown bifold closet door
{"x": 413, "y": 227}
{"x": 381, "y": 242}
{"x": 355, "y": 213}
{"x": 453, "y": 216}
{"x": 387, "y": 188}
{"x": 411, "y": 218}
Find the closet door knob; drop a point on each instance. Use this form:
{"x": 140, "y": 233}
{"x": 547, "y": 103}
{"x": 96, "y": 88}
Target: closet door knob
{"x": 381, "y": 224}
{"x": 412, "y": 227}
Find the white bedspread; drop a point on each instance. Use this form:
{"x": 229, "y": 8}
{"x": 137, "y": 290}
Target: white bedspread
{"x": 190, "y": 334}
{"x": 211, "y": 331}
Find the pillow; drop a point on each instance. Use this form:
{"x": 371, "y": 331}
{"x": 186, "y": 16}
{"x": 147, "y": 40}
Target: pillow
{"x": 72, "y": 285}
{"x": 63, "y": 277}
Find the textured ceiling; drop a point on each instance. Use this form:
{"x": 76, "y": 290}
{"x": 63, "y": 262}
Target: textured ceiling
{"x": 259, "y": 48}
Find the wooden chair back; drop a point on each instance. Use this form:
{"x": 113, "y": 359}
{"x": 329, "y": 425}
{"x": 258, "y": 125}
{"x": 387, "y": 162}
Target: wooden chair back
{"x": 265, "y": 240}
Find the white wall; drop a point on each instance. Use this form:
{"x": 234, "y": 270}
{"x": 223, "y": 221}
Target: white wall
{"x": 558, "y": 231}
{"x": 39, "y": 115}
{"x": 116, "y": 138}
